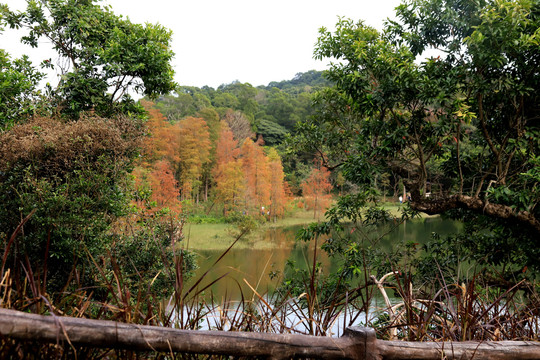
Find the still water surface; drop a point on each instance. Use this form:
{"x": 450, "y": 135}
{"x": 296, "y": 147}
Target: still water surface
{"x": 254, "y": 265}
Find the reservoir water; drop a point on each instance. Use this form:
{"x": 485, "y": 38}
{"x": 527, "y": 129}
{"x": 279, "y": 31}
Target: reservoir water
{"x": 254, "y": 266}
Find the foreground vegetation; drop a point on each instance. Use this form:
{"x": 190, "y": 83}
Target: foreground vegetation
{"x": 308, "y": 302}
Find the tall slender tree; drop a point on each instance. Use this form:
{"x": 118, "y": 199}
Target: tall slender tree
{"x": 230, "y": 186}
{"x": 163, "y": 140}
{"x": 228, "y": 171}
{"x": 278, "y": 196}
{"x": 255, "y": 165}
{"x": 316, "y": 189}
{"x": 194, "y": 151}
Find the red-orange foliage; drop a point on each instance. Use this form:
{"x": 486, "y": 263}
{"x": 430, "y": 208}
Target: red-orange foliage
{"x": 228, "y": 173}
{"x": 163, "y": 141}
{"x": 278, "y": 195}
{"x": 226, "y": 148}
{"x": 257, "y": 175}
{"x": 157, "y": 190}
{"x": 194, "y": 151}
{"x": 165, "y": 191}
{"x": 316, "y": 189}
{"x": 155, "y": 184}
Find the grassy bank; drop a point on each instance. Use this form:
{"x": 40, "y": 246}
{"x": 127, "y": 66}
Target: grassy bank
{"x": 219, "y": 236}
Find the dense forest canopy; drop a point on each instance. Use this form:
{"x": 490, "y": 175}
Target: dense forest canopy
{"x": 272, "y": 110}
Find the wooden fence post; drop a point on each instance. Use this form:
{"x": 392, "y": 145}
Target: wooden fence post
{"x": 365, "y": 340}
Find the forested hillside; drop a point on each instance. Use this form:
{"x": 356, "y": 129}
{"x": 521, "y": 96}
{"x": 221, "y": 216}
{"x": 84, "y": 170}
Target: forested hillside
{"x": 204, "y": 143}
{"x": 271, "y": 110}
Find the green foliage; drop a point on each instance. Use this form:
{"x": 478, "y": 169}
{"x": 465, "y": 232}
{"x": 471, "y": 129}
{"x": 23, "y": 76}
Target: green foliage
{"x": 297, "y": 282}
{"x": 101, "y": 51}
{"x": 18, "y": 81}
{"x": 310, "y": 80}
{"x": 146, "y": 260}
{"x": 272, "y": 111}
{"x": 188, "y": 101}
{"x": 272, "y": 132}
{"x": 204, "y": 219}
{"x": 243, "y": 224}
{"x": 459, "y": 131}
{"x": 72, "y": 177}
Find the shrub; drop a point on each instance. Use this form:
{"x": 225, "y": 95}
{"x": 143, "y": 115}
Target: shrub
{"x": 72, "y": 177}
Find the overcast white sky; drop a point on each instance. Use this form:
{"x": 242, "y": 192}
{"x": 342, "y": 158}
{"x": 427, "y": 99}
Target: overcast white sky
{"x": 218, "y": 42}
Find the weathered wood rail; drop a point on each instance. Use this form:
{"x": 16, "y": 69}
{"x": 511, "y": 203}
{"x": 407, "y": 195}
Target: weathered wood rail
{"x": 356, "y": 343}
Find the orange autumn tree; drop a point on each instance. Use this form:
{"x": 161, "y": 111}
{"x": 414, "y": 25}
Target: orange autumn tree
{"x": 156, "y": 199}
{"x": 316, "y": 189}
{"x": 278, "y": 196}
{"x": 226, "y": 148}
{"x": 163, "y": 139}
{"x": 214, "y": 126}
{"x": 154, "y": 173}
{"x": 228, "y": 173}
{"x": 165, "y": 190}
{"x": 194, "y": 150}
{"x": 157, "y": 191}
{"x": 257, "y": 175}
{"x": 230, "y": 186}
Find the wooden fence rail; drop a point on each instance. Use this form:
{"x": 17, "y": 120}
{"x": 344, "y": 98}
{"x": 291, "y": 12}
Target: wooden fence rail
{"x": 356, "y": 343}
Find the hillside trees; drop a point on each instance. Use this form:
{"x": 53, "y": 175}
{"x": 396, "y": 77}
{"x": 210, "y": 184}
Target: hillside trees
{"x": 459, "y": 129}
{"x": 250, "y": 112}
{"x": 280, "y": 107}
{"x": 270, "y": 111}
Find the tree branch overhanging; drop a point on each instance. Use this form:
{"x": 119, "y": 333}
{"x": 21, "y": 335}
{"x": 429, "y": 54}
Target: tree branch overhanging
{"x": 438, "y": 206}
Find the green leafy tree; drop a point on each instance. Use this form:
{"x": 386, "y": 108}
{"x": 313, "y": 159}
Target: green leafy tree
{"x": 460, "y": 129}
{"x": 272, "y": 132}
{"x": 102, "y": 55}
{"x": 245, "y": 95}
{"x": 280, "y": 107}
